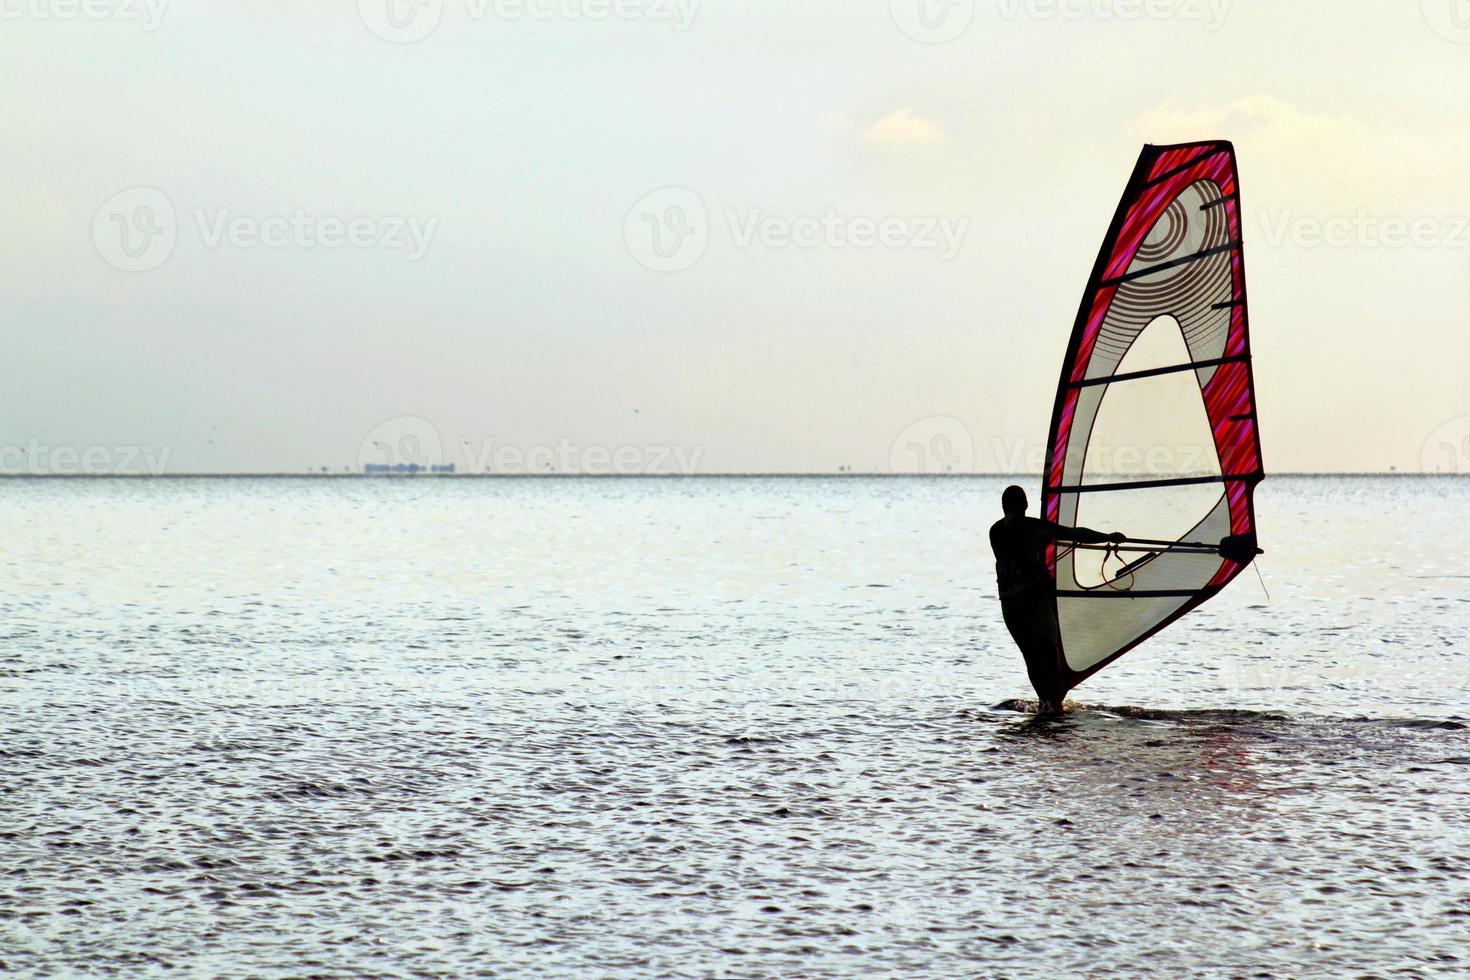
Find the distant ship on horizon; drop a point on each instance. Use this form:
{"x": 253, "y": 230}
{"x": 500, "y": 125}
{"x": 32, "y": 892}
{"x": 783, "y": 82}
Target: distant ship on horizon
{"x": 407, "y": 469}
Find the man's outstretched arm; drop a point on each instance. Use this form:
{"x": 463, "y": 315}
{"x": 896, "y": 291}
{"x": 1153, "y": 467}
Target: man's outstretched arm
{"x": 1080, "y": 535}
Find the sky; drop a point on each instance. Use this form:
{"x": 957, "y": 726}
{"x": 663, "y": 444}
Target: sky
{"x": 672, "y": 236}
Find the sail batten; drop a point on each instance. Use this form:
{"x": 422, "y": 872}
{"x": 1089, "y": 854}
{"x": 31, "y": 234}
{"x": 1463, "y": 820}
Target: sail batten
{"x": 1180, "y": 481}
{"x": 1172, "y": 264}
{"x": 1136, "y": 593}
{"x": 1155, "y": 372}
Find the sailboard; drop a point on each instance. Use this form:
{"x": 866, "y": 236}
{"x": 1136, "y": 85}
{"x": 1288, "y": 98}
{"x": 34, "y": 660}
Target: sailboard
{"x": 1172, "y": 272}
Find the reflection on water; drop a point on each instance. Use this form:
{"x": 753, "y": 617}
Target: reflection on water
{"x": 709, "y": 727}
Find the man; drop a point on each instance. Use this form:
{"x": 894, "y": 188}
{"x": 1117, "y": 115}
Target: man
{"x": 1026, "y": 601}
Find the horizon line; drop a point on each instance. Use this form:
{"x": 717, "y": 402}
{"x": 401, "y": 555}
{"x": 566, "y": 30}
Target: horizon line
{"x": 752, "y": 474}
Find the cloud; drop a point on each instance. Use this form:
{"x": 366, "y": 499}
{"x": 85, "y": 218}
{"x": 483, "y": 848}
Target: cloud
{"x": 903, "y": 128}
{"x": 1274, "y": 123}
{"x": 1326, "y": 160}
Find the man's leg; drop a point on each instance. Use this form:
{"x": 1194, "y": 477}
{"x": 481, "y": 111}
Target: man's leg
{"x": 1032, "y": 622}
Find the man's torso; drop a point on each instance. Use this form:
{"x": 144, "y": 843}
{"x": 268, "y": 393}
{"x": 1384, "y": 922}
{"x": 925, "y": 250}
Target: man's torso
{"x": 1019, "y": 545}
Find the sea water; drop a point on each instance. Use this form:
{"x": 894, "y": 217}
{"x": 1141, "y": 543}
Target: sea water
{"x": 710, "y": 727}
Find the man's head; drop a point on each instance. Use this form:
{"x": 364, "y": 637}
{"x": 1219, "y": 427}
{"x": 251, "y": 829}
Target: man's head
{"x": 1013, "y": 501}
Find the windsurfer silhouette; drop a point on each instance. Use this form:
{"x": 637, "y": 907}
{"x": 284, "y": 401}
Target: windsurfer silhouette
{"x": 1026, "y": 600}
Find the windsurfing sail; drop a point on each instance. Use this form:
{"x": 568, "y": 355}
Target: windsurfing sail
{"x": 1162, "y": 334}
